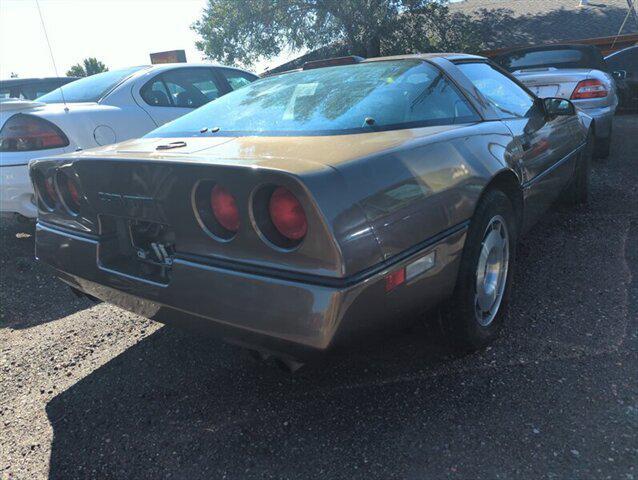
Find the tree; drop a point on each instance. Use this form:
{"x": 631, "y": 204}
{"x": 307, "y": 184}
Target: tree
{"x": 243, "y": 32}
{"x": 89, "y": 66}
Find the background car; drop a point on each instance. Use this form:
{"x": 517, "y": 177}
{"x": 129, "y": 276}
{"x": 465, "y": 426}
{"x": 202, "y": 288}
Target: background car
{"x": 624, "y": 65}
{"x": 575, "y": 72}
{"x": 326, "y": 205}
{"x": 98, "y": 110}
{"x": 31, "y": 88}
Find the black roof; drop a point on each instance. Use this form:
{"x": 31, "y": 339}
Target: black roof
{"x": 591, "y": 56}
{"x": 556, "y": 46}
{"x": 12, "y": 82}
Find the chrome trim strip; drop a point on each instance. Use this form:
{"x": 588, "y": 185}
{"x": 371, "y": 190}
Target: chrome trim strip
{"x": 15, "y": 165}
{"x": 63, "y": 231}
{"x": 319, "y": 280}
{"x": 196, "y": 261}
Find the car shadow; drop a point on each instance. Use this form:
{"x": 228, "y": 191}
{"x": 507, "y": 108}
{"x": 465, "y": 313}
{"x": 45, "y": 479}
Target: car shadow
{"x": 30, "y": 293}
{"x": 177, "y": 405}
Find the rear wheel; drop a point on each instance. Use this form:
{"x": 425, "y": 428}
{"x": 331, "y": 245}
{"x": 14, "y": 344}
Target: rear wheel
{"x": 474, "y": 316}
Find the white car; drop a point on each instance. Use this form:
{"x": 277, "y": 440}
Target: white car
{"x": 105, "y": 108}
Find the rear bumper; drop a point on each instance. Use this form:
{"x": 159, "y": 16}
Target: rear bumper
{"x": 297, "y": 319}
{"x": 603, "y": 118}
{"x": 16, "y": 191}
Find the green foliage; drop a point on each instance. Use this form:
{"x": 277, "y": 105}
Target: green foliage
{"x": 244, "y": 31}
{"x": 89, "y": 66}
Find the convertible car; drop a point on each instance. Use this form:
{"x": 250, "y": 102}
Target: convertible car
{"x": 310, "y": 209}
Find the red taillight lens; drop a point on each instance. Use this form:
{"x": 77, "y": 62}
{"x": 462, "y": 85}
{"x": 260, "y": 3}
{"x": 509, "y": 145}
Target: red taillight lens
{"x": 74, "y": 194}
{"x": 69, "y": 192}
{"x": 45, "y": 188}
{"x": 26, "y": 133}
{"x": 589, "y": 89}
{"x": 224, "y": 208}
{"x": 50, "y": 188}
{"x": 287, "y": 214}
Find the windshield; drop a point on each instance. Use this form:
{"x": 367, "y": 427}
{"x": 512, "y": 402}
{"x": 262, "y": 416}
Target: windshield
{"x": 557, "y": 58}
{"x": 343, "y": 99}
{"x": 89, "y": 89}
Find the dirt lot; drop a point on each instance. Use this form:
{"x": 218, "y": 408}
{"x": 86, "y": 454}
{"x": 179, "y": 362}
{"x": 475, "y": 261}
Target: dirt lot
{"x": 91, "y": 391}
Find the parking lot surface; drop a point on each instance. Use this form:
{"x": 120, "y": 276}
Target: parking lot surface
{"x": 91, "y": 391}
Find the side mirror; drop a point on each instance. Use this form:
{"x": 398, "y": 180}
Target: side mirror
{"x": 558, "y": 107}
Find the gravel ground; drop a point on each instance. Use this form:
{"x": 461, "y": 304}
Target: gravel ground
{"x": 91, "y": 391}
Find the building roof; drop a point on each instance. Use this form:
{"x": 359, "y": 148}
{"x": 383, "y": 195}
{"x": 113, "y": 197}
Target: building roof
{"x": 532, "y": 22}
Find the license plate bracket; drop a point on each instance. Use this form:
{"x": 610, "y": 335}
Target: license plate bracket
{"x": 136, "y": 248}
{"x": 545, "y": 91}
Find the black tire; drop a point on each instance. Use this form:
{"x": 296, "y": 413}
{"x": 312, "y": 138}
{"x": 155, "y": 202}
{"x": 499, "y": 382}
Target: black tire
{"x": 577, "y": 192}
{"x": 602, "y": 147}
{"x": 459, "y": 319}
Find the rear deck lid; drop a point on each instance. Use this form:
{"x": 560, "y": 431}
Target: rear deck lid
{"x": 552, "y": 82}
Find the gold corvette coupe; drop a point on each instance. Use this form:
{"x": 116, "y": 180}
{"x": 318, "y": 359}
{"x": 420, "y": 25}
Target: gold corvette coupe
{"x": 306, "y": 210}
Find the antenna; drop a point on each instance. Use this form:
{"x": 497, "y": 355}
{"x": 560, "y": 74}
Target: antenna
{"x": 632, "y": 11}
{"x": 55, "y": 68}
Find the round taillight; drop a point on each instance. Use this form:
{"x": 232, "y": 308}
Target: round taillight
{"x": 49, "y": 186}
{"x": 287, "y": 214}
{"x": 74, "y": 194}
{"x": 45, "y": 189}
{"x": 69, "y": 192}
{"x": 224, "y": 208}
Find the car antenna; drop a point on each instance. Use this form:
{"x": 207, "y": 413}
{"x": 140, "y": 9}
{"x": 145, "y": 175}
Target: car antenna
{"x": 55, "y": 68}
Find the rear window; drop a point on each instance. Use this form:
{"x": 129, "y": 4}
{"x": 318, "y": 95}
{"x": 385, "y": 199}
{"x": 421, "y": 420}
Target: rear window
{"x": 557, "y": 58}
{"x": 31, "y": 88}
{"x": 236, "y": 78}
{"x": 38, "y": 89}
{"x": 363, "y": 97}
{"x": 89, "y": 89}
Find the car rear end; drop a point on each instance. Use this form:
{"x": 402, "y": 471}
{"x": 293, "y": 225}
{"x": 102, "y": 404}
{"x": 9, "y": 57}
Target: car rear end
{"x": 574, "y": 72}
{"x": 24, "y": 136}
{"x": 273, "y": 256}
{"x": 61, "y": 121}
{"x": 592, "y": 91}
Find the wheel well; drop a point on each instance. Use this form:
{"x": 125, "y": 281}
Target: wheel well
{"x": 507, "y": 182}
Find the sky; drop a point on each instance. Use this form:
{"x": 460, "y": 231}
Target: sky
{"x": 120, "y": 33}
